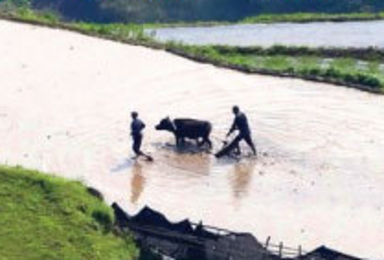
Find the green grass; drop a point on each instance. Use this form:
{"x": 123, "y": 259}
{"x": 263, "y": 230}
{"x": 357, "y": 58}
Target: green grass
{"x": 116, "y": 31}
{"x": 43, "y": 217}
{"x": 130, "y": 33}
{"x": 343, "y": 64}
{"x": 278, "y": 18}
{"x": 300, "y": 62}
{"x": 313, "y": 17}
{"x": 7, "y": 9}
{"x": 369, "y": 54}
{"x": 308, "y": 62}
{"x": 277, "y": 63}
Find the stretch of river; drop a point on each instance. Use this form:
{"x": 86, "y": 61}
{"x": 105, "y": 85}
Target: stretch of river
{"x": 318, "y": 34}
{"x": 65, "y": 103}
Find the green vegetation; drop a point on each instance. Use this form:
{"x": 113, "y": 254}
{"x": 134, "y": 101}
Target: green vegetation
{"x": 131, "y": 33}
{"x": 313, "y": 17}
{"x": 358, "y": 68}
{"x": 373, "y": 54}
{"x": 344, "y": 67}
{"x": 206, "y": 12}
{"x": 118, "y": 31}
{"x": 278, "y": 18}
{"x": 170, "y": 11}
{"x": 28, "y": 15}
{"x": 44, "y": 217}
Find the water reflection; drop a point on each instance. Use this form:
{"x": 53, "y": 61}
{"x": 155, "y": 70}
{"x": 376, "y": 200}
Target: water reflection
{"x": 196, "y": 164}
{"x": 137, "y": 183}
{"x": 240, "y": 178}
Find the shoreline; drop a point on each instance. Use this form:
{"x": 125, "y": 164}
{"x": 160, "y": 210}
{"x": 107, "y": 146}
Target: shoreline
{"x": 268, "y": 72}
{"x": 175, "y": 49}
{"x": 298, "y": 18}
{"x": 149, "y": 43}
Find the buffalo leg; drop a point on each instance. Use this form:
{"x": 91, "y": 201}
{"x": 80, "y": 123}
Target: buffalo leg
{"x": 178, "y": 141}
{"x": 208, "y": 141}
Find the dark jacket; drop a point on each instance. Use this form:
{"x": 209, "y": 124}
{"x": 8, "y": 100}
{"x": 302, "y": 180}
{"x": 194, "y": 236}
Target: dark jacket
{"x": 240, "y": 123}
{"x": 137, "y": 127}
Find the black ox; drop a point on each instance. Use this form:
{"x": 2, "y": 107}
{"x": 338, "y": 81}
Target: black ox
{"x": 187, "y": 128}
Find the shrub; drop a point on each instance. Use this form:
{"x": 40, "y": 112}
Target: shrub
{"x": 104, "y": 218}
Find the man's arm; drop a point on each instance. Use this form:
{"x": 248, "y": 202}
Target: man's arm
{"x": 142, "y": 125}
{"x": 233, "y": 128}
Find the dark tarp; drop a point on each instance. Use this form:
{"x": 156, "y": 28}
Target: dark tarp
{"x": 185, "y": 241}
{"x": 201, "y": 232}
{"x": 121, "y": 217}
{"x": 184, "y": 227}
{"x": 152, "y": 229}
{"x": 324, "y": 253}
{"x": 235, "y": 246}
{"x": 150, "y": 217}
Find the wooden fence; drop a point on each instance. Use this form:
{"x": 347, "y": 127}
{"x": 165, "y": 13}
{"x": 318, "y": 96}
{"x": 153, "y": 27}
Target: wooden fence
{"x": 282, "y": 250}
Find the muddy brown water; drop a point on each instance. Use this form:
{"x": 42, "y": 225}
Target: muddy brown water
{"x": 319, "y": 179}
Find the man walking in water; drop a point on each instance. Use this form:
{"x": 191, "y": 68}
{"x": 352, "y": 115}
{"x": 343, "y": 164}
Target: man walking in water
{"x": 137, "y": 127}
{"x": 240, "y": 123}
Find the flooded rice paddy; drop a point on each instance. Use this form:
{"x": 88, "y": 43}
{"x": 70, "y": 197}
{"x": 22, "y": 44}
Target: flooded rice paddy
{"x": 317, "y": 34}
{"x": 319, "y": 179}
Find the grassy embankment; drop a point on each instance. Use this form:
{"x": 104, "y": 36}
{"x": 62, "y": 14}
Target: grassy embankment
{"x": 313, "y": 17}
{"x": 129, "y": 33}
{"x": 358, "y": 68}
{"x": 44, "y": 217}
{"x": 279, "y": 18}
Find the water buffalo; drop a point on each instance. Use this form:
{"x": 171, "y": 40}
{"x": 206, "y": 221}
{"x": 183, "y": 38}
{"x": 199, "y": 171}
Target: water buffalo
{"x": 187, "y": 128}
